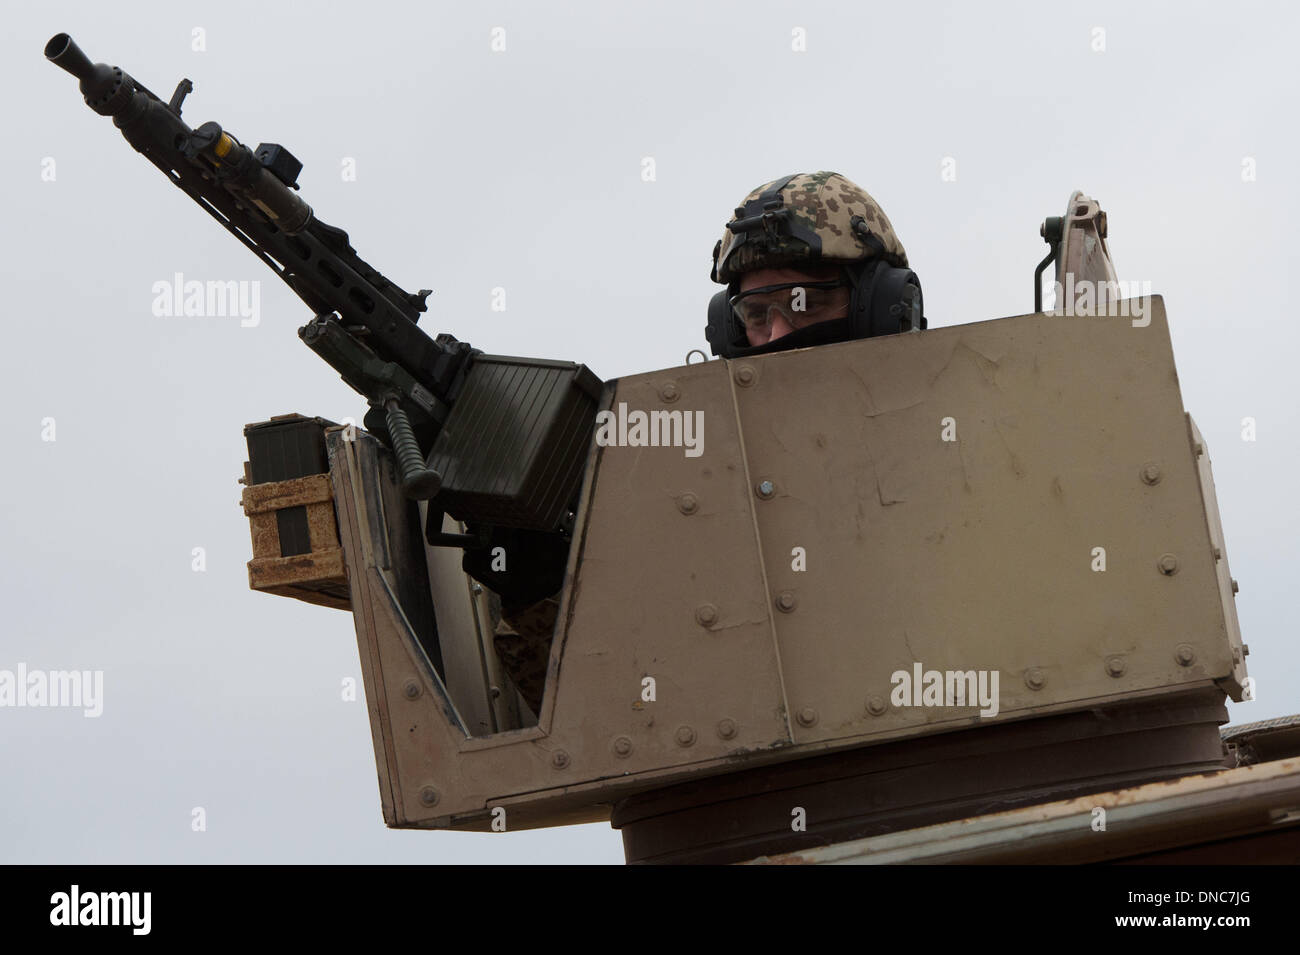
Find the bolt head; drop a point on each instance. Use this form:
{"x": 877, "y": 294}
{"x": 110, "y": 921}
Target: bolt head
{"x": 766, "y": 489}
{"x": 785, "y": 601}
{"x": 745, "y": 376}
{"x": 706, "y": 615}
{"x": 807, "y": 716}
{"x": 670, "y": 392}
{"x": 560, "y": 760}
{"x": 688, "y": 503}
{"x": 622, "y": 746}
{"x": 1115, "y": 666}
{"x": 1151, "y": 474}
{"x": 1035, "y": 678}
{"x": 876, "y": 705}
{"x": 1168, "y": 564}
{"x": 727, "y": 728}
{"x": 685, "y": 736}
{"x": 1185, "y": 655}
{"x": 411, "y": 689}
{"x": 429, "y": 796}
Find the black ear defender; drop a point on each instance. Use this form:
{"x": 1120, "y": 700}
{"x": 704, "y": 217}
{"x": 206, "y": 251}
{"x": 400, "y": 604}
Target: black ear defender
{"x": 885, "y": 301}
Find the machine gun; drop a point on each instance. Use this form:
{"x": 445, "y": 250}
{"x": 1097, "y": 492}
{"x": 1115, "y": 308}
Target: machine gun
{"x": 539, "y": 413}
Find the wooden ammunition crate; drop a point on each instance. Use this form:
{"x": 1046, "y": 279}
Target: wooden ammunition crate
{"x": 296, "y": 549}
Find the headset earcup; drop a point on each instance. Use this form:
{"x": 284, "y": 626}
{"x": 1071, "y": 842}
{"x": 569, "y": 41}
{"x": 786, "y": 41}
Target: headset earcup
{"x": 720, "y": 330}
{"x": 885, "y": 301}
{"x": 860, "y": 301}
{"x": 916, "y": 303}
{"x": 897, "y": 304}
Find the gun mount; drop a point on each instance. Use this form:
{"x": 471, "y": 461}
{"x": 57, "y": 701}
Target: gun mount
{"x": 877, "y": 534}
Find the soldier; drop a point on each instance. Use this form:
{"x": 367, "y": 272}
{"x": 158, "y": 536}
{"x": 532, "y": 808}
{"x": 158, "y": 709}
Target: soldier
{"x": 797, "y": 258}
{"x": 522, "y": 638}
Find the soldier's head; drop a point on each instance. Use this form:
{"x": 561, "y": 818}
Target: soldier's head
{"x": 808, "y": 259}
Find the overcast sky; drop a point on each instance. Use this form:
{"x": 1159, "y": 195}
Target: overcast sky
{"x": 522, "y": 169}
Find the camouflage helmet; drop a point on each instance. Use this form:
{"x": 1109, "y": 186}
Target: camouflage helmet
{"x": 806, "y": 217}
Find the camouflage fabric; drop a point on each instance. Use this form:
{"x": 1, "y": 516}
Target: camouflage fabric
{"x": 825, "y": 202}
{"x": 523, "y": 642}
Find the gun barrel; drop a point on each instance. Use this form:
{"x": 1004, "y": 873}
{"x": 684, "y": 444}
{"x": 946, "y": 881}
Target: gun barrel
{"x": 107, "y": 90}
{"x": 251, "y": 194}
{"x": 64, "y": 53}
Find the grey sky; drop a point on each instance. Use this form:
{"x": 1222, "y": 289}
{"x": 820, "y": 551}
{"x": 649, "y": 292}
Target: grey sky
{"x": 522, "y": 169}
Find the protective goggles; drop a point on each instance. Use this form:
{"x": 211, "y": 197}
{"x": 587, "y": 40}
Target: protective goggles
{"x": 818, "y": 302}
